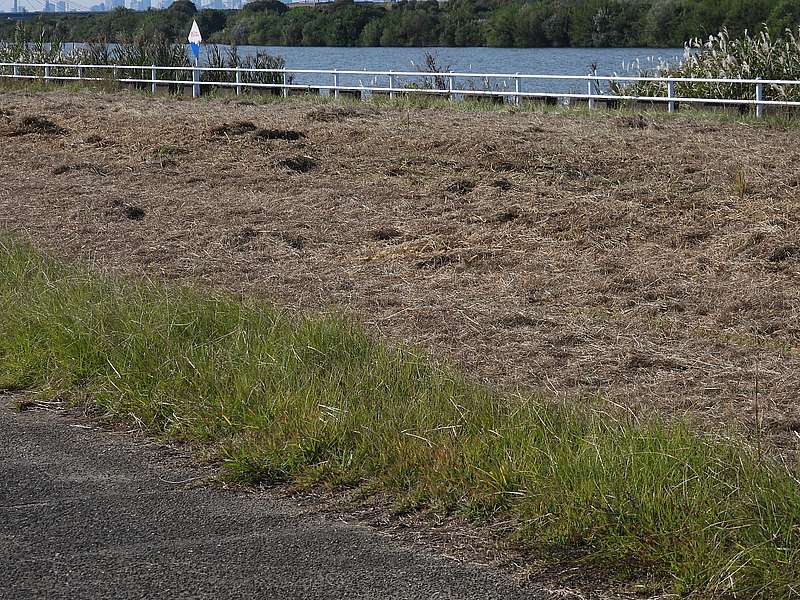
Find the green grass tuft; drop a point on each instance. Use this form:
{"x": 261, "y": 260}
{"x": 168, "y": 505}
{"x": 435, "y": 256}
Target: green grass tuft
{"x": 280, "y": 397}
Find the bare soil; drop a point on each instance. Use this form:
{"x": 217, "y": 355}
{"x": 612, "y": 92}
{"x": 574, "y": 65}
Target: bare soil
{"x": 654, "y": 262}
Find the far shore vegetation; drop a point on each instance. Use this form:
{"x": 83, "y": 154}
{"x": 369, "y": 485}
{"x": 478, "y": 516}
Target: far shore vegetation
{"x": 496, "y": 23}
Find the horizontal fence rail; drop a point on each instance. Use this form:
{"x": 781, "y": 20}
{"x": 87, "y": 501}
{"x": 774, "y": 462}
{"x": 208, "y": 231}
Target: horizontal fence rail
{"x": 505, "y": 87}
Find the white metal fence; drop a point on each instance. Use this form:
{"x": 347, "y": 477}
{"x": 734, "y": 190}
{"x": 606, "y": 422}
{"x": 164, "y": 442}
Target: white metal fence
{"x": 507, "y": 87}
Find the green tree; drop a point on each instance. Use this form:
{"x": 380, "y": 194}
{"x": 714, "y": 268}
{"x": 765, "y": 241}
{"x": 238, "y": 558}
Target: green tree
{"x": 182, "y": 7}
{"x": 258, "y": 6}
{"x": 211, "y": 21}
{"x": 784, "y": 15}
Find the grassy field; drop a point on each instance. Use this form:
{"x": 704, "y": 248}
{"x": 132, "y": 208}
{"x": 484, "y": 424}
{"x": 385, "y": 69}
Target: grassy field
{"x": 648, "y": 259}
{"x": 622, "y": 289}
{"x": 315, "y": 399}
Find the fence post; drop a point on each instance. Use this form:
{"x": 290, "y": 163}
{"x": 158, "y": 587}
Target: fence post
{"x": 759, "y": 99}
{"x": 391, "y": 85}
{"x": 285, "y": 84}
{"x": 16, "y": 70}
{"x": 671, "y": 105}
{"x": 46, "y": 73}
{"x": 196, "y": 80}
{"x": 450, "y": 87}
{"x": 238, "y": 81}
{"x": 153, "y": 76}
{"x": 516, "y": 91}
{"x": 591, "y": 86}
{"x": 80, "y": 73}
{"x": 114, "y": 73}
{"x": 335, "y": 84}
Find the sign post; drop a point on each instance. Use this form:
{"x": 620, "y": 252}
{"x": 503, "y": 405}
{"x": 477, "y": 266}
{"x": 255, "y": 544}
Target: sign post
{"x": 195, "y": 40}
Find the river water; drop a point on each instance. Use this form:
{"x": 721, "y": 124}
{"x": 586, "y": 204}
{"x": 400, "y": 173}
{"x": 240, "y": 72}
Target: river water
{"x": 530, "y": 61}
{"x": 533, "y": 61}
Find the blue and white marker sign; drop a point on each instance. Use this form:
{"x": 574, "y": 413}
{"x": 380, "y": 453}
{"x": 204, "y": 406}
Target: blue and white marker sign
{"x": 195, "y": 39}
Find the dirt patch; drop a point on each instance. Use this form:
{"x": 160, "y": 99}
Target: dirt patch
{"x": 460, "y": 187}
{"x": 463, "y": 257}
{"x": 170, "y": 150}
{"x": 67, "y": 168}
{"x": 502, "y": 184}
{"x": 289, "y": 135}
{"x": 387, "y": 233}
{"x": 782, "y": 253}
{"x": 510, "y": 214}
{"x": 335, "y": 114}
{"x": 232, "y": 129}
{"x": 129, "y": 211}
{"x": 636, "y": 122}
{"x": 300, "y": 164}
{"x": 523, "y": 321}
{"x": 293, "y": 240}
{"x": 34, "y": 124}
{"x": 242, "y": 238}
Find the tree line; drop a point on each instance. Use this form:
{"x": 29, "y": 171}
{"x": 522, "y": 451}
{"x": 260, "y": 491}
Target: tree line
{"x": 497, "y": 23}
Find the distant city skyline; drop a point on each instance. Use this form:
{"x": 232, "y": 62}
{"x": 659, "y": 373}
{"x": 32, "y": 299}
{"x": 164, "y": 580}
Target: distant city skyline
{"x": 66, "y": 6}
{"x": 61, "y": 6}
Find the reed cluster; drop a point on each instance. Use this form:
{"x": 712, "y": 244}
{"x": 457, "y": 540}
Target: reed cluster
{"x": 722, "y": 56}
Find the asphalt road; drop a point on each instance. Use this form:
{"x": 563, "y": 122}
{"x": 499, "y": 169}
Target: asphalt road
{"x": 95, "y": 514}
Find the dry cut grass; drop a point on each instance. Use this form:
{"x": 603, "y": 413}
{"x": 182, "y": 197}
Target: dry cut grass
{"x": 652, "y": 261}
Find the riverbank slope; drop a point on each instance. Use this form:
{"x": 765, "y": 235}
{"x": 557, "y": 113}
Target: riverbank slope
{"x": 650, "y": 260}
